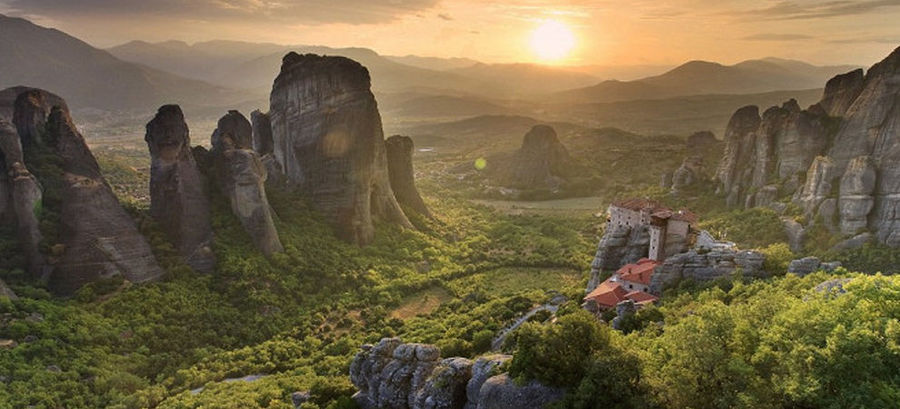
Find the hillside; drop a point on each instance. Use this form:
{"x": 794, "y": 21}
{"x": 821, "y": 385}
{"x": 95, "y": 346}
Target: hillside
{"x": 527, "y": 79}
{"x": 702, "y": 77}
{"x": 91, "y": 78}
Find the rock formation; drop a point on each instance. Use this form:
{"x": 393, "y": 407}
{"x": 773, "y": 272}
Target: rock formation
{"x": 242, "y": 177}
{"x": 848, "y": 144}
{"x": 841, "y": 91}
{"x": 262, "y": 132}
{"x": 706, "y": 266}
{"x": 400, "y": 171}
{"x": 619, "y": 245}
{"x": 20, "y": 199}
{"x": 32, "y": 106}
{"x": 541, "y": 162}
{"x": 329, "y": 141}
{"x": 779, "y": 146}
{"x": 394, "y": 375}
{"x": 99, "y": 238}
{"x": 178, "y": 197}
{"x": 809, "y": 265}
{"x": 501, "y": 392}
{"x": 691, "y": 171}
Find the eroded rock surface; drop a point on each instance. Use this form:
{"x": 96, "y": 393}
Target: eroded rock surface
{"x": 691, "y": 172}
{"x": 848, "y": 143}
{"x": 178, "y": 197}
{"x": 619, "y": 245}
{"x": 328, "y": 138}
{"x": 100, "y": 239}
{"x": 242, "y": 177}
{"x": 501, "y": 392}
{"x": 402, "y": 176}
{"x": 706, "y": 266}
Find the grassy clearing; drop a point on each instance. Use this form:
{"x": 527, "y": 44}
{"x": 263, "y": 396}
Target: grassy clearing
{"x": 421, "y": 303}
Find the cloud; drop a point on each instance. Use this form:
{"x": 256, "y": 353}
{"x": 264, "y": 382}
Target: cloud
{"x": 281, "y": 11}
{"x": 799, "y": 10}
{"x": 867, "y": 40}
{"x": 777, "y": 37}
{"x": 443, "y": 16}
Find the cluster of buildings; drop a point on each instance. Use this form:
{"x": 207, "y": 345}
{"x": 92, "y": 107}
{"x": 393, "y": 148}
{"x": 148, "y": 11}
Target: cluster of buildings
{"x": 670, "y": 232}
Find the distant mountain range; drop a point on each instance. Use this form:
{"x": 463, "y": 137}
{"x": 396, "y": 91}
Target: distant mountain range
{"x": 88, "y": 77}
{"x": 703, "y": 78}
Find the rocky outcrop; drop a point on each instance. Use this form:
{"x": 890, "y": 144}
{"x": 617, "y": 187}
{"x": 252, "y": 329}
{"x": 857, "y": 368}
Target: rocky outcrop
{"x": 501, "y": 392}
{"x": 841, "y": 91}
{"x": 541, "y": 162}
{"x": 99, "y": 238}
{"x": 856, "y": 198}
{"x": 849, "y": 143}
{"x": 691, "y": 172}
{"x": 400, "y": 170}
{"x": 809, "y": 265}
{"x": 483, "y": 369}
{"x": 32, "y": 107}
{"x": 706, "y": 266}
{"x": 178, "y": 197}
{"x": 619, "y": 245}
{"x": 394, "y": 375}
{"x": 780, "y": 146}
{"x": 242, "y": 177}
{"x": 329, "y": 141}
{"x": 20, "y": 199}
{"x": 6, "y": 292}
{"x": 262, "y": 132}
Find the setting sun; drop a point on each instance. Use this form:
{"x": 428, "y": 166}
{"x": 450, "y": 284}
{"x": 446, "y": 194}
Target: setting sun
{"x": 552, "y": 41}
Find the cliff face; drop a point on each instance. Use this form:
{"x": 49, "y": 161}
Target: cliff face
{"x": 99, "y": 237}
{"x": 541, "y": 162}
{"x": 837, "y": 159}
{"x": 402, "y": 176}
{"x": 328, "y": 139}
{"x": 178, "y": 198}
{"x": 242, "y": 177}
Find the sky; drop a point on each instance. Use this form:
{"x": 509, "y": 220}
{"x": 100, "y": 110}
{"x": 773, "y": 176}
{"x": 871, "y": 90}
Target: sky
{"x": 605, "y": 32}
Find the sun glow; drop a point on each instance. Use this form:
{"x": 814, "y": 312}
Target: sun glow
{"x": 552, "y": 41}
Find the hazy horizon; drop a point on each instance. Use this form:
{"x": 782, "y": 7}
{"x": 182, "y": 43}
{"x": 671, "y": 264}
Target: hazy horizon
{"x": 574, "y": 33}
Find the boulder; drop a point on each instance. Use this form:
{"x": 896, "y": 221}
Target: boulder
{"x": 329, "y": 141}
{"x": 446, "y": 387}
{"x": 483, "y": 368}
{"x": 99, "y": 239}
{"x": 501, "y": 392}
{"x": 178, "y": 197}
{"x": 796, "y": 234}
{"x": 541, "y": 162}
{"x": 400, "y": 170}
{"x": 392, "y": 374}
{"x": 854, "y": 242}
{"x": 242, "y": 177}
{"x": 804, "y": 266}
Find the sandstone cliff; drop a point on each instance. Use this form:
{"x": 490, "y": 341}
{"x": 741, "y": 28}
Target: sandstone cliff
{"x": 402, "y": 176}
{"x": 329, "y": 141}
{"x": 242, "y": 177}
{"x": 178, "y": 197}
{"x": 837, "y": 159}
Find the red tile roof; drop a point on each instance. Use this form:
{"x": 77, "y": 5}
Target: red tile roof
{"x": 607, "y": 294}
{"x": 683, "y": 215}
{"x": 640, "y": 297}
{"x": 639, "y": 272}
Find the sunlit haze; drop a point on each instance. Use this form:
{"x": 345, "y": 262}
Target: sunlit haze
{"x": 606, "y": 32}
